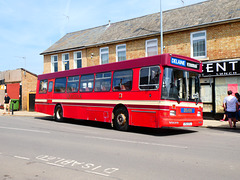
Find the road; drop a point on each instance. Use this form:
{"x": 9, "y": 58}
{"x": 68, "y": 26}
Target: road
{"x": 41, "y": 149}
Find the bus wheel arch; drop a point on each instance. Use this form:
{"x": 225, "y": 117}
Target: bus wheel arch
{"x": 120, "y": 118}
{"x": 58, "y": 113}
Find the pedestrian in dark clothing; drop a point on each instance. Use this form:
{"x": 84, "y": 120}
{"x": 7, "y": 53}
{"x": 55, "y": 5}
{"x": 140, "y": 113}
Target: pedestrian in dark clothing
{"x": 7, "y": 101}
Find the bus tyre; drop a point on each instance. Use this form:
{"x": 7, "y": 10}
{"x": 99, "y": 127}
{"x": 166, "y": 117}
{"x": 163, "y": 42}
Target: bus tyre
{"x": 58, "y": 115}
{"x": 121, "y": 120}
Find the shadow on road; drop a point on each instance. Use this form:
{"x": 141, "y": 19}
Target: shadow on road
{"x": 133, "y": 129}
{"x": 225, "y": 129}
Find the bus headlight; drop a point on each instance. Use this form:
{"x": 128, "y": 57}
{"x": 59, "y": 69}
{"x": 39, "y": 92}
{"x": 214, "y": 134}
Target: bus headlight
{"x": 172, "y": 113}
{"x": 199, "y": 113}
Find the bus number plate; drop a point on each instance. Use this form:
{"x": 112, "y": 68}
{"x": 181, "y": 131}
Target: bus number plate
{"x": 187, "y": 123}
{"x": 187, "y": 110}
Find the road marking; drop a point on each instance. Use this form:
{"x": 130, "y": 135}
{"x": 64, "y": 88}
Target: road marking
{"x": 20, "y": 157}
{"x": 28, "y": 130}
{"x": 137, "y": 142}
{"x": 96, "y": 173}
{"x": 55, "y": 164}
{"x": 84, "y": 166}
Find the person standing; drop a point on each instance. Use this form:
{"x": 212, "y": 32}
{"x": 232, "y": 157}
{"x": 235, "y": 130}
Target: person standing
{"x": 238, "y": 110}
{"x": 7, "y": 101}
{"x": 231, "y": 105}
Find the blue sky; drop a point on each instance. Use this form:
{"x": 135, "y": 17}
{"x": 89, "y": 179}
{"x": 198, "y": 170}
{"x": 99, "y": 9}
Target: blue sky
{"x": 28, "y": 27}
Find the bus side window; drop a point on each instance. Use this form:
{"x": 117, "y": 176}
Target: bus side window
{"x": 72, "y": 84}
{"x": 50, "y": 86}
{"x": 86, "y": 83}
{"x": 60, "y": 85}
{"x": 149, "y": 78}
{"x": 43, "y": 86}
{"x": 103, "y": 82}
{"x": 122, "y": 80}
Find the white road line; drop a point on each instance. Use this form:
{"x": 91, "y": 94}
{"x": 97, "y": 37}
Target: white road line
{"x": 137, "y": 142}
{"x": 28, "y": 130}
{"x": 55, "y": 164}
{"x": 20, "y": 157}
{"x": 96, "y": 173}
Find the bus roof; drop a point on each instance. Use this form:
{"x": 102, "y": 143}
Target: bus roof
{"x": 163, "y": 59}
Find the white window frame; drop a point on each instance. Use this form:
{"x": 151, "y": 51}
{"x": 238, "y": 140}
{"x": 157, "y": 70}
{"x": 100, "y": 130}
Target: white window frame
{"x": 199, "y": 38}
{"x": 53, "y": 62}
{"x": 103, "y": 53}
{"x": 147, "y": 46}
{"x": 76, "y": 59}
{"x": 64, "y": 60}
{"x": 121, "y": 50}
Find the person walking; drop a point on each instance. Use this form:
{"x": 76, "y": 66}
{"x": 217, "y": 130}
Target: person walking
{"x": 7, "y": 101}
{"x": 231, "y": 105}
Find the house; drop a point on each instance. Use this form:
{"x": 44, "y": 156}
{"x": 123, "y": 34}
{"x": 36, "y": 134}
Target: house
{"x": 208, "y": 31}
{"x": 20, "y": 84}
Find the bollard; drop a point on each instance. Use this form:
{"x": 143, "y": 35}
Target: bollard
{"x": 12, "y": 108}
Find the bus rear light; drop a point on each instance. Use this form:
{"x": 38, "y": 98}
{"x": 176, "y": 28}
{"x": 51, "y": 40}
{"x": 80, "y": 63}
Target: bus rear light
{"x": 172, "y": 113}
{"x": 199, "y": 113}
{"x": 200, "y": 108}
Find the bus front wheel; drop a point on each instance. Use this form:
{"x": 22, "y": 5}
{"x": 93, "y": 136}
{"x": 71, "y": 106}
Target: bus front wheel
{"x": 121, "y": 119}
{"x": 58, "y": 115}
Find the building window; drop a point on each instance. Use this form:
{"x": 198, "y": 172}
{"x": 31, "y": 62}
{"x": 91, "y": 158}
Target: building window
{"x": 151, "y": 47}
{"x": 54, "y": 62}
{"x": 199, "y": 44}
{"x": 104, "y": 55}
{"x": 121, "y": 52}
{"x": 77, "y": 60}
{"x": 65, "y": 61}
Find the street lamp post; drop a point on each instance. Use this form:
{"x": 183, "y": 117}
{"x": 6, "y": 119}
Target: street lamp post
{"x": 161, "y": 27}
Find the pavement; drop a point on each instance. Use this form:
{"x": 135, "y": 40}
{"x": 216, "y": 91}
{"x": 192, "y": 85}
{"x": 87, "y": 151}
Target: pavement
{"x": 208, "y": 123}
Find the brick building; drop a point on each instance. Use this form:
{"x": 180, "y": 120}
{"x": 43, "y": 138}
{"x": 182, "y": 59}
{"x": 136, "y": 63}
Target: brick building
{"x": 208, "y": 31}
{"x": 19, "y": 84}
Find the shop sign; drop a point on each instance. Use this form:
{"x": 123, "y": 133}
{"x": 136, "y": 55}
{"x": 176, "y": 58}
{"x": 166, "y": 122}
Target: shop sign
{"x": 221, "y": 68}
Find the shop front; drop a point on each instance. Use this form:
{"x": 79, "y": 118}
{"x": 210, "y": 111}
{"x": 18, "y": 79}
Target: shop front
{"x": 217, "y": 78}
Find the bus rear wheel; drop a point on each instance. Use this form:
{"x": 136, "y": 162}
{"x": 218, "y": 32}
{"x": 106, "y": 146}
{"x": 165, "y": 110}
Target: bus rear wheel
{"x": 121, "y": 119}
{"x": 58, "y": 115}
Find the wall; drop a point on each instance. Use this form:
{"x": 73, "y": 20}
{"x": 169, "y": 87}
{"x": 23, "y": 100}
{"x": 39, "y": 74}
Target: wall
{"x": 29, "y": 84}
{"x": 223, "y": 42}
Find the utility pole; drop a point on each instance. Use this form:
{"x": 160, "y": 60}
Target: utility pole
{"x": 161, "y": 27}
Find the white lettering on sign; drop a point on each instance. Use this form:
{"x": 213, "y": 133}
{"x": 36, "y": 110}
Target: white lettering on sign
{"x": 178, "y": 62}
{"x": 222, "y": 67}
{"x": 233, "y": 65}
{"x": 209, "y": 66}
{"x": 195, "y": 66}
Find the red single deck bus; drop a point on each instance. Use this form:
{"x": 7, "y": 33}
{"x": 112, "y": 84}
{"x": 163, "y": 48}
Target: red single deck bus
{"x": 157, "y": 91}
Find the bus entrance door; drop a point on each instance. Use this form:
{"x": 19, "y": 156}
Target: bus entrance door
{"x": 49, "y": 92}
